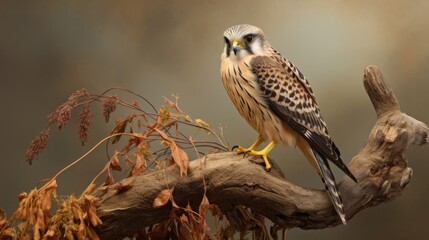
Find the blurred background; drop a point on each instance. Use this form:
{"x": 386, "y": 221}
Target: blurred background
{"x": 50, "y": 49}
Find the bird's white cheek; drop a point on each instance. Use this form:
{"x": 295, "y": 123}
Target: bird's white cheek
{"x": 257, "y": 49}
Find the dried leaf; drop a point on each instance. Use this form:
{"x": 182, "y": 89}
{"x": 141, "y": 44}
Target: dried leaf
{"x": 114, "y": 162}
{"x": 49, "y": 234}
{"x": 138, "y": 165}
{"x": 52, "y": 185}
{"x": 162, "y": 198}
{"x": 89, "y": 198}
{"x": 108, "y": 181}
{"x": 185, "y": 232}
{"x": 93, "y": 218}
{"x": 45, "y": 196}
{"x": 202, "y": 224}
{"x": 2, "y": 214}
{"x": 163, "y": 115}
{"x": 180, "y": 158}
{"x": 124, "y": 184}
{"x": 202, "y": 123}
{"x": 187, "y": 118}
{"x": 121, "y": 126}
{"x": 170, "y": 103}
{"x": 6, "y": 232}
{"x": 204, "y": 206}
{"x": 161, "y": 230}
{"x": 40, "y": 225}
{"x": 134, "y": 140}
{"x": 22, "y": 196}
{"x": 184, "y": 219}
{"x": 121, "y": 187}
{"x": 179, "y": 155}
{"x": 85, "y": 217}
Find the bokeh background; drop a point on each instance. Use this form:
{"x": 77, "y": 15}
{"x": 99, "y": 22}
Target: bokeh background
{"x": 157, "y": 48}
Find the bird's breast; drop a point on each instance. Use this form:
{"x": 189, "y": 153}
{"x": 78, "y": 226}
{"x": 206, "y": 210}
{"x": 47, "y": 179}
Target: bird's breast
{"x": 244, "y": 90}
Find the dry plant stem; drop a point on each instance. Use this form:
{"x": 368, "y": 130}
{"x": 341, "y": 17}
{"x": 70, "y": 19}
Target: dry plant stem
{"x": 81, "y": 158}
{"x": 232, "y": 182}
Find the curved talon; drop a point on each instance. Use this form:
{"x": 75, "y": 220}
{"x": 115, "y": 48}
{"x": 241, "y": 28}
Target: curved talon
{"x": 241, "y": 149}
{"x": 234, "y": 147}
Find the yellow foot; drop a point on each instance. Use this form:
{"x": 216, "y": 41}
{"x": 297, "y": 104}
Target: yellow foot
{"x": 263, "y": 153}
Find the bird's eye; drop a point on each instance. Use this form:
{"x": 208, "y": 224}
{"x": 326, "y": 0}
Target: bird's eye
{"x": 249, "y": 38}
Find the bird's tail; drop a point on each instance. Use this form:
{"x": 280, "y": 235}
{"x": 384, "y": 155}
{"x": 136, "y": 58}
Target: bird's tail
{"x": 331, "y": 186}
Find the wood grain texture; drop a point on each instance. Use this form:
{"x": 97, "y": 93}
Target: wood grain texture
{"x": 233, "y": 181}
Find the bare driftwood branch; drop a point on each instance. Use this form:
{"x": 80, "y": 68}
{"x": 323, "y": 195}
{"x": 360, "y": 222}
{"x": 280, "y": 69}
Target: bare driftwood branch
{"x": 231, "y": 181}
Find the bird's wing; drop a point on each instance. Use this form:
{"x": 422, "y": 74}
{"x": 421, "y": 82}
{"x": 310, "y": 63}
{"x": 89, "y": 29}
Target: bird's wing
{"x": 290, "y": 97}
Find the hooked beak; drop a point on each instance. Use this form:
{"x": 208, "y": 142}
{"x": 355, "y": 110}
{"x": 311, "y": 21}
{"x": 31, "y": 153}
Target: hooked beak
{"x": 236, "y": 46}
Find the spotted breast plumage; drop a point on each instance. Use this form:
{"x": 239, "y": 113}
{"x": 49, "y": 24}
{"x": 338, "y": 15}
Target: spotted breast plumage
{"x": 275, "y": 98}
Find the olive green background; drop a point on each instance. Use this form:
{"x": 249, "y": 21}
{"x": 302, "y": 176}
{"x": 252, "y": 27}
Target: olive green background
{"x": 48, "y": 49}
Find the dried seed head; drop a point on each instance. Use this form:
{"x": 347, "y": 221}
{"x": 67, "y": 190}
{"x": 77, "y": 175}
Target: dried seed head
{"x": 37, "y": 145}
{"x": 62, "y": 115}
{"x": 85, "y": 122}
{"x": 109, "y": 106}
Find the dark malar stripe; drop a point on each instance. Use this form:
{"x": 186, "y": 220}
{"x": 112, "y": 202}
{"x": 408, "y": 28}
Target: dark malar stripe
{"x": 228, "y": 47}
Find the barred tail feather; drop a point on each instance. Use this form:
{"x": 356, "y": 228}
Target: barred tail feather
{"x": 331, "y": 186}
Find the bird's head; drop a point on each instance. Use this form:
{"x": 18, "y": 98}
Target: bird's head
{"x": 244, "y": 40}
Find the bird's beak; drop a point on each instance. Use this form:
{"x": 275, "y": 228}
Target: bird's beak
{"x": 236, "y": 46}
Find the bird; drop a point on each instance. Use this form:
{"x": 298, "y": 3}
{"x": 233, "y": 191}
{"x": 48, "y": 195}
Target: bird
{"x": 276, "y": 100}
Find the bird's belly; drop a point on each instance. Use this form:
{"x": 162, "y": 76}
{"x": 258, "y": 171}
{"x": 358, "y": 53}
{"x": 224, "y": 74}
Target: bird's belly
{"x": 271, "y": 128}
{"x": 259, "y": 116}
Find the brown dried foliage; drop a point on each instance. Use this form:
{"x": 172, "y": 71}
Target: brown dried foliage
{"x": 179, "y": 155}
{"x": 34, "y": 208}
{"x": 184, "y": 222}
{"x": 76, "y": 217}
{"x": 6, "y": 231}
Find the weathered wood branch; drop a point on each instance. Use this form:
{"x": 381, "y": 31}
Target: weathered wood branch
{"x": 231, "y": 181}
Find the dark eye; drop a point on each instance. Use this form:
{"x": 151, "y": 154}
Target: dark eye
{"x": 249, "y": 38}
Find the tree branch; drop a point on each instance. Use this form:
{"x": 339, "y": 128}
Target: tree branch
{"x": 232, "y": 182}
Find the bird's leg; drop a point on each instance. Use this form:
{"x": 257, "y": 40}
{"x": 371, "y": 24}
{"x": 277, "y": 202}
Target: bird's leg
{"x": 246, "y": 150}
{"x": 264, "y": 154}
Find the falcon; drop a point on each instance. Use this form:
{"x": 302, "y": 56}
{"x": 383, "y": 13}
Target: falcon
{"x": 275, "y": 98}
